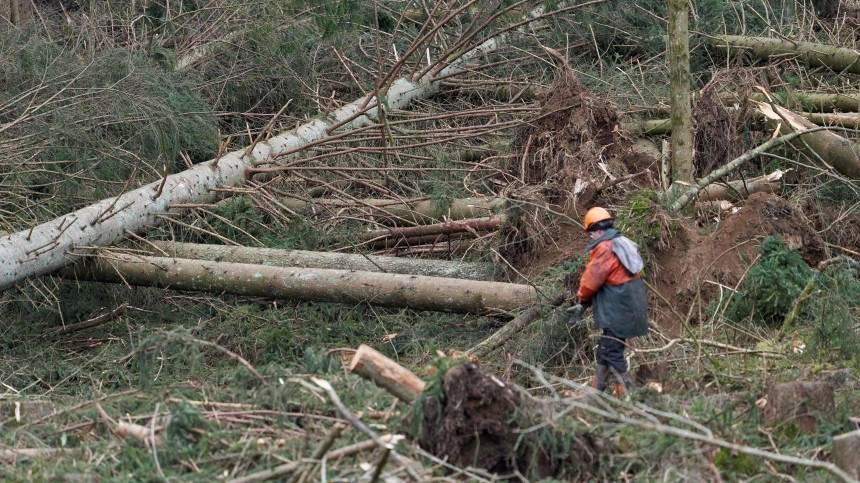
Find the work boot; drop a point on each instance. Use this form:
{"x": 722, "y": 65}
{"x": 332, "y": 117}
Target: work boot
{"x": 600, "y": 375}
{"x": 624, "y": 387}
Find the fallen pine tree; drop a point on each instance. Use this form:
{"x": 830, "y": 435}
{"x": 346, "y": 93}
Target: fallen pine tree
{"x": 416, "y": 292}
{"x": 396, "y": 212}
{"x": 839, "y": 59}
{"x": 309, "y": 259}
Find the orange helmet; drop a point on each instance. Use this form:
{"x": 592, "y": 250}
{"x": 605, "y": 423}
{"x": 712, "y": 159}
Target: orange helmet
{"x": 595, "y": 215}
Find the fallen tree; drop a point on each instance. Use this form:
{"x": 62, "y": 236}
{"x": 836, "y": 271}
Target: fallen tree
{"x": 833, "y": 149}
{"x": 400, "y": 237}
{"x": 47, "y": 247}
{"x": 839, "y": 59}
{"x": 308, "y": 259}
{"x": 320, "y": 285}
{"x": 394, "y": 212}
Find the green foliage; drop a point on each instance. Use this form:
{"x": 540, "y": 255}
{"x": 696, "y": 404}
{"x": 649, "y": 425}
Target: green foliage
{"x": 621, "y": 30}
{"x": 733, "y": 464}
{"x": 832, "y": 317}
{"x": 771, "y": 286}
{"x": 84, "y": 124}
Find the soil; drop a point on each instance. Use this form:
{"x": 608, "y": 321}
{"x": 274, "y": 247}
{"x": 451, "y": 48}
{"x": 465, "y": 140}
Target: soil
{"x": 574, "y": 141}
{"x": 476, "y": 425}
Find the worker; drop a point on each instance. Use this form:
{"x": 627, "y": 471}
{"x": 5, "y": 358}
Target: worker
{"x": 612, "y": 285}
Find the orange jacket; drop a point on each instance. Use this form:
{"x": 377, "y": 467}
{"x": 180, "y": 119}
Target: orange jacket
{"x": 603, "y": 268}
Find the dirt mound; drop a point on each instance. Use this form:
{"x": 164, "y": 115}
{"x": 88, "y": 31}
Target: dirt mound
{"x": 563, "y": 158}
{"x": 696, "y": 268}
{"x": 475, "y": 424}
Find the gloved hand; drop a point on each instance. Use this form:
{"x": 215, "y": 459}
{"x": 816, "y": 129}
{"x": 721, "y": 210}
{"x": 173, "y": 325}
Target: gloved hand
{"x": 575, "y": 313}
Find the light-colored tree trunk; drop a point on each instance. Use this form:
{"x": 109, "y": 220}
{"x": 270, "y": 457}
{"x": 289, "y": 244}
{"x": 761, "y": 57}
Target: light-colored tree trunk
{"x": 741, "y": 189}
{"x": 839, "y": 59}
{"x": 393, "y": 212}
{"x": 309, "y": 284}
{"x": 46, "y": 247}
{"x": 679, "y": 91}
{"x": 387, "y": 374}
{"x": 343, "y": 261}
{"x": 811, "y": 101}
{"x": 833, "y": 149}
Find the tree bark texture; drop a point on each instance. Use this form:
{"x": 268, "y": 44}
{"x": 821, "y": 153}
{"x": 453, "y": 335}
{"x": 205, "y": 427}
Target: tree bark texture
{"x": 392, "y": 212}
{"x": 46, "y": 247}
{"x": 679, "y": 87}
{"x": 447, "y": 228}
{"x": 841, "y": 153}
{"x": 839, "y": 59}
{"x": 387, "y": 374}
{"x": 343, "y": 261}
{"x": 307, "y": 284}
{"x": 741, "y": 189}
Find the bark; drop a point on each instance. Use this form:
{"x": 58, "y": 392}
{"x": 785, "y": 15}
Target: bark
{"x": 386, "y": 373}
{"x": 741, "y": 189}
{"x": 393, "y": 212}
{"x": 811, "y": 101}
{"x": 393, "y": 237}
{"x": 839, "y": 59}
{"x": 319, "y": 285}
{"x": 679, "y": 88}
{"x": 512, "y": 328}
{"x": 307, "y": 259}
{"x": 657, "y": 127}
{"x": 732, "y": 165}
{"x": 833, "y": 149}
{"x": 398, "y": 243}
{"x": 46, "y": 247}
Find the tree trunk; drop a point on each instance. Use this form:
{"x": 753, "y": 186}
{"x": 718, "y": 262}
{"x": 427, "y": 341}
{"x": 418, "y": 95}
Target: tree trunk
{"x": 839, "y": 59}
{"x": 386, "y": 373}
{"x": 343, "y": 261}
{"x": 842, "y": 154}
{"x": 386, "y": 237}
{"x": 46, "y": 247}
{"x": 741, "y": 189}
{"x": 679, "y": 88}
{"x": 393, "y": 212}
{"x": 811, "y": 101}
{"x": 320, "y": 285}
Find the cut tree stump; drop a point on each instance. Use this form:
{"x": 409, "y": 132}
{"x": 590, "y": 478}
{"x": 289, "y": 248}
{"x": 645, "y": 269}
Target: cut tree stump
{"x": 846, "y": 452}
{"x": 804, "y": 404}
{"x": 387, "y": 374}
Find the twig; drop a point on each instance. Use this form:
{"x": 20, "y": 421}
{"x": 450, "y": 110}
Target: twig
{"x": 223, "y": 350}
{"x": 320, "y": 451}
{"x": 329, "y": 390}
{"x": 95, "y": 321}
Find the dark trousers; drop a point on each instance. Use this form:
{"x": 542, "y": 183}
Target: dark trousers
{"x": 610, "y": 351}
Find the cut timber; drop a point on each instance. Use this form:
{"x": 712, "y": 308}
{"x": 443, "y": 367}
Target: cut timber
{"x": 512, "y": 328}
{"x": 387, "y": 374}
{"x": 343, "y": 261}
{"x": 839, "y": 59}
{"x": 417, "y": 241}
{"x": 395, "y": 237}
{"x": 813, "y": 101}
{"x": 841, "y": 153}
{"x": 45, "y": 248}
{"x": 394, "y": 212}
{"x": 321, "y": 285}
